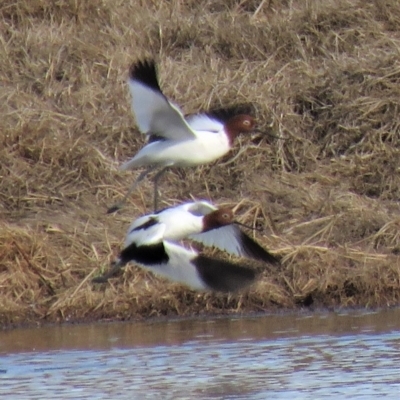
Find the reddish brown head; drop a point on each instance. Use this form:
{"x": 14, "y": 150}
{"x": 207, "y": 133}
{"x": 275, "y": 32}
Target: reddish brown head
{"x": 241, "y": 123}
{"x": 221, "y": 217}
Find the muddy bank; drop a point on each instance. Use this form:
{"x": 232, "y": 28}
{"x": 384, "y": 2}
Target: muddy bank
{"x": 322, "y": 75}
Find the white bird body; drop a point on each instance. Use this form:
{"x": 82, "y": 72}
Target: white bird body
{"x": 151, "y": 241}
{"x": 175, "y": 140}
{"x": 174, "y": 224}
{"x": 204, "y": 148}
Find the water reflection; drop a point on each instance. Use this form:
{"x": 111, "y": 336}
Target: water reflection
{"x": 353, "y": 355}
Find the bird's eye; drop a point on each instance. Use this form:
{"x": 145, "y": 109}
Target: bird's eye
{"x": 225, "y": 216}
{"x": 246, "y": 122}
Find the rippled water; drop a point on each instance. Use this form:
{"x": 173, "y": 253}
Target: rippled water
{"x": 352, "y": 355}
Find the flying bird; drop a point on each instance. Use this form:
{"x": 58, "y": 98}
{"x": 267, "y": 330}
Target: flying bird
{"x": 173, "y": 139}
{"x": 152, "y": 241}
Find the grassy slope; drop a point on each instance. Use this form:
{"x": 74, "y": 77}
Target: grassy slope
{"x": 323, "y": 74}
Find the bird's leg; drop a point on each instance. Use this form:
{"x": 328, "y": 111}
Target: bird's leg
{"x": 156, "y": 179}
{"x": 105, "y": 277}
{"x": 120, "y": 204}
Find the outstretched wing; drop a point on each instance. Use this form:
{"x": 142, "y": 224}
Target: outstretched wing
{"x": 186, "y": 266}
{"x": 231, "y": 239}
{"x": 154, "y": 113}
{"x": 200, "y": 272}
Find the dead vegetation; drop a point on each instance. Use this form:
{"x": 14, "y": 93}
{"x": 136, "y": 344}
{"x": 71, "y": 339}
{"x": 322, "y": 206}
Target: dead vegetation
{"x": 324, "y": 75}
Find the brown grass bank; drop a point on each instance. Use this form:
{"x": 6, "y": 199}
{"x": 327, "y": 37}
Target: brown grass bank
{"x": 325, "y": 75}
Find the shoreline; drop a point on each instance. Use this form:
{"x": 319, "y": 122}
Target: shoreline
{"x": 322, "y": 190}
{"x": 298, "y": 312}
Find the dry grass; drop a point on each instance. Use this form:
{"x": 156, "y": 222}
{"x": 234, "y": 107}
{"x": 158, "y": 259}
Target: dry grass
{"x": 325, "y": 75}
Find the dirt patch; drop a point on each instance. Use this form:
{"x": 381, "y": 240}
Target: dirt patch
{"x": 325, "y": 76}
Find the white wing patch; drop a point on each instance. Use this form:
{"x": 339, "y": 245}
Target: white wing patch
{"x": 203, "y": 122}
{"x": 179, "y": 267}
{"x": 156, "y": 115}
{"x": 201, "y": 208}
{"x": 226, "y": 238}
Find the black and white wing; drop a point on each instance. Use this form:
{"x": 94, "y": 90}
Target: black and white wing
{"x": 231, "y": 239}
{"x": 199, "y": 272}
{"x": 154, "y": 113}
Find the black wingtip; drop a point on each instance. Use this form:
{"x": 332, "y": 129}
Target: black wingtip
{"x": 253, "y": 250}
{"x": 223, "y": 276}
{"x": 145, "y": 71}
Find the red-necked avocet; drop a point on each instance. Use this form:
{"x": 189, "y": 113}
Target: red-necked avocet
{"x": 151, "y": 242}
{"x": 175, "y": 140}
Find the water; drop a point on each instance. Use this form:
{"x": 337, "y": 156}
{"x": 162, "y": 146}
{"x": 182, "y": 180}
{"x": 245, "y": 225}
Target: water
{"x": 349, "y": 355}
